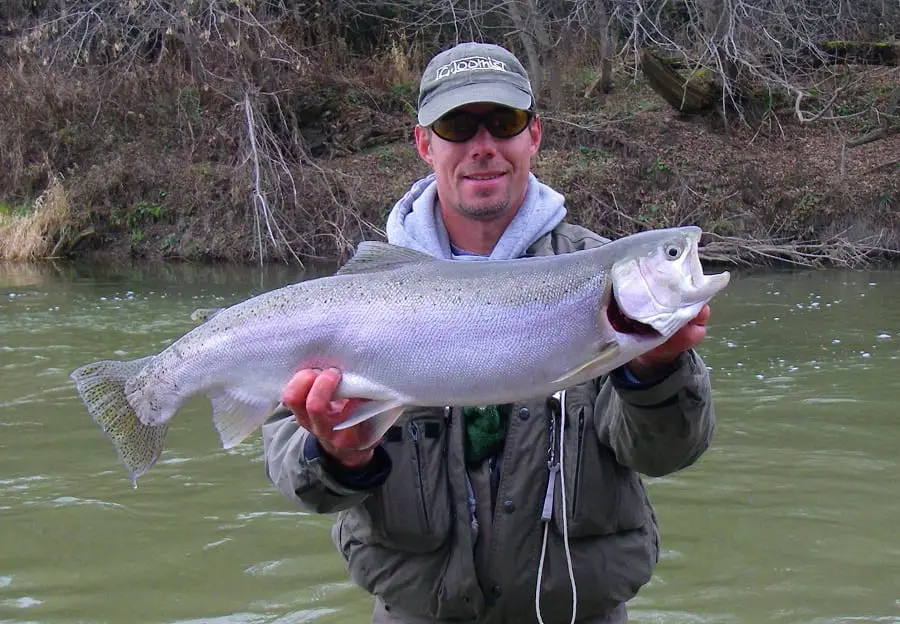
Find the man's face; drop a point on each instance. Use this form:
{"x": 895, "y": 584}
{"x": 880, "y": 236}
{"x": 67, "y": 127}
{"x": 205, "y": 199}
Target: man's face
{"x": 484, "y": 177}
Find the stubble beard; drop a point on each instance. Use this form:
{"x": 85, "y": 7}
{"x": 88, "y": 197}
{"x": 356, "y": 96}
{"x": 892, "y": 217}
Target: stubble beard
{"x": 485, "y": 212}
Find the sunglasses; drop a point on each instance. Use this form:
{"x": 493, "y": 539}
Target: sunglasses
{"x": 502, "y": 123}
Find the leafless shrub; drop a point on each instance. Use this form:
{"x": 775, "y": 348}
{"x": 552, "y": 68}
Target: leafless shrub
{"x": 750, "y": 45}
{"x": 756, "y": 44}
{"x": 251, "y": 55}
{"x": 224, "y": 81}
{"x": 837, "y": 251}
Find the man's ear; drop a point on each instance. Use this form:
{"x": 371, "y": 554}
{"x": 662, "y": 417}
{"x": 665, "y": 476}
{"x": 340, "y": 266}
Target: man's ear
{"x": 534, "y": 128}
{"x": 423, "y": 143}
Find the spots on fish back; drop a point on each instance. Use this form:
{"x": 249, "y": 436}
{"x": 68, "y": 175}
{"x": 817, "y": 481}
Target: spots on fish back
{"x": 457, "y": 283}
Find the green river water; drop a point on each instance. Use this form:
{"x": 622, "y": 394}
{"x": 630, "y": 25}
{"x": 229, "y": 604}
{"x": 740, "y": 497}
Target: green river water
{"x": 793, "y": 515}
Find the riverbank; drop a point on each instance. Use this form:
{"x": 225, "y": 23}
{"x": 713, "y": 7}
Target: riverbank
{"x": 158, "y": 169}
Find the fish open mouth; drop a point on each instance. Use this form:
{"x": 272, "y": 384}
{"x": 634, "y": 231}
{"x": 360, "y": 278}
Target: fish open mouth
{"x": 625, "y": 325}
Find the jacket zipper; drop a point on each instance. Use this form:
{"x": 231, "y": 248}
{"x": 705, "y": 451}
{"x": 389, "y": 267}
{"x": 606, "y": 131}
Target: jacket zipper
{"x": 414, "y": 434}
{"x": 575, "y": 486}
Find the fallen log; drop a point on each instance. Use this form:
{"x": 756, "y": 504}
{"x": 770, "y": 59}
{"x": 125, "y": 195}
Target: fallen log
{"x": 688, "y": 93}
{"x": 861, "y": 52}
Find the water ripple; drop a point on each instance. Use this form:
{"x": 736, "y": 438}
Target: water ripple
{"x": 24, "y": 602}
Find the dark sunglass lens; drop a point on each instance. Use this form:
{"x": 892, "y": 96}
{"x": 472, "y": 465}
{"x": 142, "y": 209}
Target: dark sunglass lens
{"x": 507, "y": 122}
{"x": 458, "y": 127}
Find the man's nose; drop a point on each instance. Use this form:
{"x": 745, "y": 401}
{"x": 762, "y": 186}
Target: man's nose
{"x": 483, "y": 144}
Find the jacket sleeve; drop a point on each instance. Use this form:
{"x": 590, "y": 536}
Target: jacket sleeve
{"x": 659, "y": 428}
{"x": 297, "y": 466}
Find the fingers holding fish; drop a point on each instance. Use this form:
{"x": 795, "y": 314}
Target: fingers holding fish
{"x": 685, "y": 339}
{"x": 295, "y": 394}
{"x": 306, "y": 402}
{"x": 310, "y": 396}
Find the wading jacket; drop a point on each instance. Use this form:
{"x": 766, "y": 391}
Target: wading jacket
{"x": 435, "y": 541}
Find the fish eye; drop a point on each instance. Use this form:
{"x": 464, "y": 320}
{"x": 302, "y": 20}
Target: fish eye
{"x": 673, "y": 252}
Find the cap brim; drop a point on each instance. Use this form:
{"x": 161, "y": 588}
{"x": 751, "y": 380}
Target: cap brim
{"x": 494, "y": 93}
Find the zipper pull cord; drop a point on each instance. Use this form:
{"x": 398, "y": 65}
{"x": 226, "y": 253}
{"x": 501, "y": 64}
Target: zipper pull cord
{"x": 554, "y": 468}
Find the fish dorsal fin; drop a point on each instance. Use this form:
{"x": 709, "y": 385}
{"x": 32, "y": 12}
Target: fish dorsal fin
{"x": 372, "y": 256}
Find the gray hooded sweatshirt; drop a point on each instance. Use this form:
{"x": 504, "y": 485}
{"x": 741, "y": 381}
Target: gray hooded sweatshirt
{"x": 415, "y": 222}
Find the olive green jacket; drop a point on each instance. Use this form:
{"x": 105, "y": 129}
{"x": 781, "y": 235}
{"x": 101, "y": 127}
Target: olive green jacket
{"x": 411, "y": 540}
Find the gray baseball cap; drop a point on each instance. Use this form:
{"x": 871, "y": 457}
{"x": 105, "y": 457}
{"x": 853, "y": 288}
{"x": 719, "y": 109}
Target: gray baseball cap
{"x": 469, "y": 73}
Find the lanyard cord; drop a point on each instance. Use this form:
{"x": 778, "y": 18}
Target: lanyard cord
{"x": 555, "y": 467}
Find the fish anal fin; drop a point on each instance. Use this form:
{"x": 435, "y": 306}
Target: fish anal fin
{"x": 237, "y": 414}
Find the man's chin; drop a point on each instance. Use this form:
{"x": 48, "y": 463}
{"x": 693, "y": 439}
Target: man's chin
{"x": 484, "y": 211}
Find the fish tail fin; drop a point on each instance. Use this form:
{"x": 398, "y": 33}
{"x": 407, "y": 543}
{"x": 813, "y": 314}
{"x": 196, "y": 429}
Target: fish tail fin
{"x": 101, "y": 386}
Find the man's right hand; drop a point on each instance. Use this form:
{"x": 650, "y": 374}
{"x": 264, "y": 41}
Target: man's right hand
{"x": 310, "y": 396}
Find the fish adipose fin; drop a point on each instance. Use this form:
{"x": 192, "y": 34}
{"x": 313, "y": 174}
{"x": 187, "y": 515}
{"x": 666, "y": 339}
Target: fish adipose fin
{"x": 237, "y": 414}
{"x": 381, "y": 414}
{"x": 593, "y": 368}
{"x": 101, "y": 385}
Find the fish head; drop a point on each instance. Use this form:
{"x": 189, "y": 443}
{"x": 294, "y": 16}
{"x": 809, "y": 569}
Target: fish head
{"x": 659, "y": 284}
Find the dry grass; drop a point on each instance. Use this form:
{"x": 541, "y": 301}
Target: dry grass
{"x": 41, "y": 234}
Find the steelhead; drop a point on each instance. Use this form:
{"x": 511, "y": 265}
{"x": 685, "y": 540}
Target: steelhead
{"x": 408, "y": 329}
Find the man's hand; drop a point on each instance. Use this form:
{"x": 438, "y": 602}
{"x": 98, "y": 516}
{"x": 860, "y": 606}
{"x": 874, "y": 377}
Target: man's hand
{"x": 310, "y": 396}
{"x": 647, "y": 365}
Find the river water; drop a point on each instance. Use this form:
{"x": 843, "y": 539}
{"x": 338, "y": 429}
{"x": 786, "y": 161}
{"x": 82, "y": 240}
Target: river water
{"x": 793, "y": 515}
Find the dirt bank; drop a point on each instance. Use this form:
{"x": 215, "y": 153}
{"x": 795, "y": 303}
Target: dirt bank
{"x": 149, "y": 166}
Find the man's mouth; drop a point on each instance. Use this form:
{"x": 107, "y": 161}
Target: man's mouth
{"x": 480, "y": 177}
{"x": 625, "y": 325}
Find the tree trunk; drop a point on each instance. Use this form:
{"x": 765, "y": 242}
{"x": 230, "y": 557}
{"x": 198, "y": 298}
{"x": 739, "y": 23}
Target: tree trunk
{"x": 600, "y": 28}
{"x": 716, "y": 26}
{"x": 555, "y": 79}
{"x": 532, "y": 55}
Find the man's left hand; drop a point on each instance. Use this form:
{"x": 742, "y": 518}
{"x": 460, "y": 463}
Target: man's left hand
{"x": 685, "y": 339}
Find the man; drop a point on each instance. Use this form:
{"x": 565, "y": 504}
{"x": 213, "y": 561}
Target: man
{"x": 457, "y": 515}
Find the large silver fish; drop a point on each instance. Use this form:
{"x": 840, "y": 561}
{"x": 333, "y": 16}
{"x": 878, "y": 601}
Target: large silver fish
{"x": 408, "y": 329}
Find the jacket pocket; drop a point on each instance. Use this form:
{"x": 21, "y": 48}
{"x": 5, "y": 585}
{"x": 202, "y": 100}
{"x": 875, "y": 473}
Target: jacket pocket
{"x": 602, "y": 496}
{"x": 411, "y": 511}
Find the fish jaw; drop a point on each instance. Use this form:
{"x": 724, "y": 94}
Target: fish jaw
{"x": 662, "y": 284}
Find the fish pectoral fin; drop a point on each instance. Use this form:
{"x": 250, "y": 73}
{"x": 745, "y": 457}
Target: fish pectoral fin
{"x": 372, "y": 256}
{"x": 237, "y": 414}
{"x": 595, "y": 367}
{"x": 382, "y": 415}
